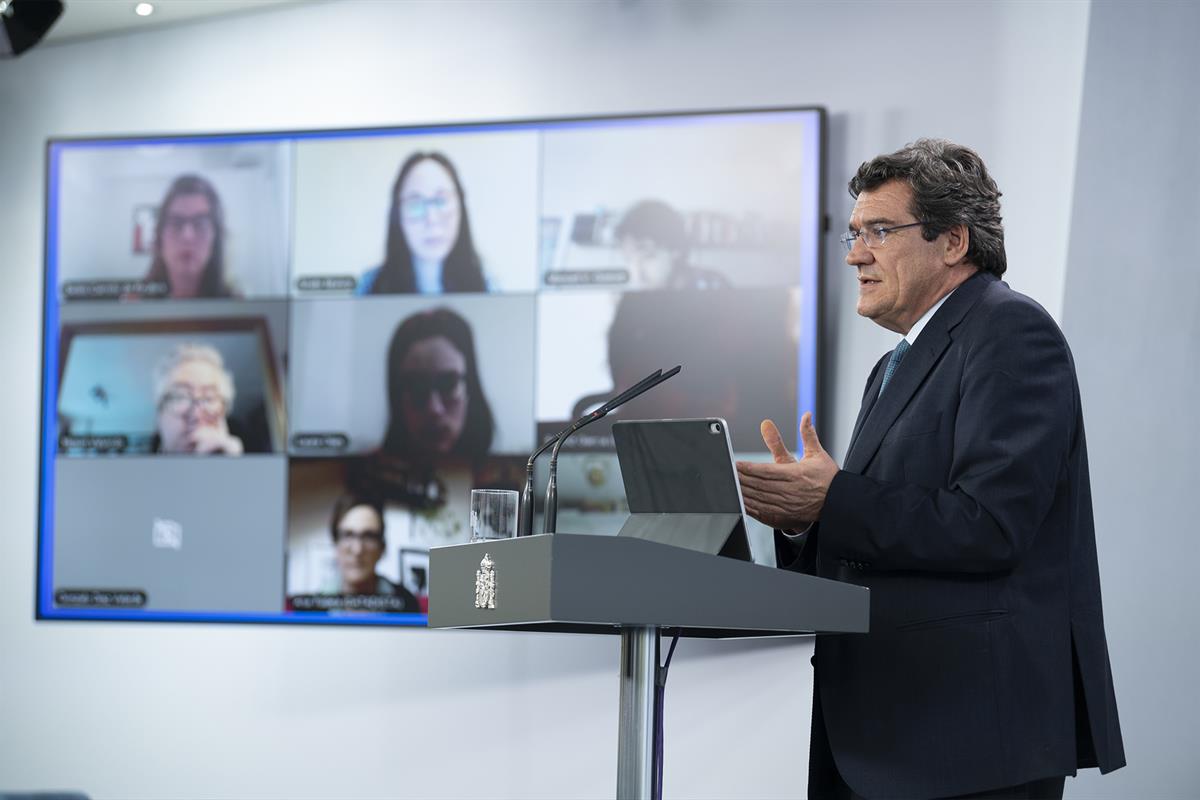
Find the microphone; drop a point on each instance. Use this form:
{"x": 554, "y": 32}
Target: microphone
{"x": 644, "y": 385}
{"x": 525, "y": 521}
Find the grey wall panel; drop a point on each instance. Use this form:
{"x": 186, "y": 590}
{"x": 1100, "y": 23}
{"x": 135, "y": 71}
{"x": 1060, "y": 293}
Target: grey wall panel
{"x": 1130, "y": 313}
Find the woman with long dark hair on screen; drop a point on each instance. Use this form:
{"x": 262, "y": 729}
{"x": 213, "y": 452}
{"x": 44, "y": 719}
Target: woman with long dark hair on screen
{"x": 439, "y": 430}
{"x": 189, "y": 241}
{"x": 436, "y": 407}
{"x": 429, "y": 244}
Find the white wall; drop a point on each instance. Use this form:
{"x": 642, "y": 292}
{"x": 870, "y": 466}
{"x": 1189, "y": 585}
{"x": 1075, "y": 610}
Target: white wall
{"x": 197, "y": 711}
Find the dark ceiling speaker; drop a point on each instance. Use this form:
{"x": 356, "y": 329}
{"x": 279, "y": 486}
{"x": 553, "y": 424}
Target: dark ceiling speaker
{"x": 23, "y": 23}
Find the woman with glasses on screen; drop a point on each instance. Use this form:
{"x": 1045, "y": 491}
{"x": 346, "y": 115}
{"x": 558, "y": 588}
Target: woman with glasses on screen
{"x": 194, "y": 395}
{"x": 437, "y": 411}
{"x": 439, "y": 430}
{"x": 357, "y": 528}
{"x": 429, "y": 245}
{"x": 189, "y": 241}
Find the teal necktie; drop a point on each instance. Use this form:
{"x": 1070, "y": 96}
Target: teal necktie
{"x": 897, "y": 357}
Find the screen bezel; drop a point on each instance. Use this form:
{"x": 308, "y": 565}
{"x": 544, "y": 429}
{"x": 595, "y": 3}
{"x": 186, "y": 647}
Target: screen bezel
{"x": 810, "y": 356}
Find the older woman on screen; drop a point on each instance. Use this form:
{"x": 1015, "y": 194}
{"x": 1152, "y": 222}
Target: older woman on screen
{"x": 429, "y": 245}
{"x": 194, "y": 395}
{"x": 189, "y": 241}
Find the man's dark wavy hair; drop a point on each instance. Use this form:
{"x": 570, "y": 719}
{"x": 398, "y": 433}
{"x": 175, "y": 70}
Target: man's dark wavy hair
{"x": 950, "y": 186}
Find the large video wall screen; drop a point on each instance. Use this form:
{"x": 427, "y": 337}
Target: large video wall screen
{"x": 276, "y": 364}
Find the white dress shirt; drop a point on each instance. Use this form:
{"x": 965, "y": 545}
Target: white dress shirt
{"x": 920, "y": 324}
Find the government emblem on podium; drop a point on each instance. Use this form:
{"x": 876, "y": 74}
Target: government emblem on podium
{"x": 485, "y": 583}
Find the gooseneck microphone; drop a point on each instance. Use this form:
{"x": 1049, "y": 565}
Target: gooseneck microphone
{"x": 644, "y": 385}
{"x": 525, "y": 522}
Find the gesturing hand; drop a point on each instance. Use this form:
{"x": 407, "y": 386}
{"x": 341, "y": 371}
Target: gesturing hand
{"x": 788, "y": 494}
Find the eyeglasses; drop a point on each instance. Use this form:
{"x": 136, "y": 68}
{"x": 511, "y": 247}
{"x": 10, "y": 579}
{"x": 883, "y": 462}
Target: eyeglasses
{"x": 873, "y": 236}
{"x": 178, "y": 401}
{"x": 421, "y": 384}
{"x": 201, "y": 224}
{"x": 416, "y": 207}
{"x": 362, "y": 537}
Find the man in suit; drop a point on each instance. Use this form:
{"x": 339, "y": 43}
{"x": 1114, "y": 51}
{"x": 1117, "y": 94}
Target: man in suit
{"x": 963, "y": 505}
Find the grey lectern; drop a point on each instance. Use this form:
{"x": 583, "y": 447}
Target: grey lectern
{"x": 574, "y": 583}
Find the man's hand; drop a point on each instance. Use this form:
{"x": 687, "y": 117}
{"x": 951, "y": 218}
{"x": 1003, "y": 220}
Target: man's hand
{"x": 788, "y": 494}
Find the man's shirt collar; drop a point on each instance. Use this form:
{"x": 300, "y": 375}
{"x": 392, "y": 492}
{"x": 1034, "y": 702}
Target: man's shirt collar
{"x": 920, "y": 324}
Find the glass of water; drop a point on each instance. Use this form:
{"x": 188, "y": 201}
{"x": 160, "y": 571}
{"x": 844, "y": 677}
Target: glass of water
{"x": 493, "y": 514}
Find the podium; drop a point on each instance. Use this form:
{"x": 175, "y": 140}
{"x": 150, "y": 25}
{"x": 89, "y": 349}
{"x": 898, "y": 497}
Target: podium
{"x": 575, "y": 583}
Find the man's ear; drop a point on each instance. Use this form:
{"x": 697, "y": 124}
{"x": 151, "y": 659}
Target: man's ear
{"x": 958, "y": 241}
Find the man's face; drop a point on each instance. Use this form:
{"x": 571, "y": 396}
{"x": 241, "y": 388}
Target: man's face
{"x": 901, "y": 279}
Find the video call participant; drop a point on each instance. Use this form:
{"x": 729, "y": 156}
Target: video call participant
{"x": 429, "y": 245}
{"x": 436, "y": 407}
{"x": 708, "y": 332}
{"x": 357, "y": 529}
{"x": 439, "y": 432}
{"x": 655, "y": 245}
{"x": 963, "y": 504}
{"x": 189, "y": 241}
{"x": 643, "y": 335}
{"x": 193, "y": 396}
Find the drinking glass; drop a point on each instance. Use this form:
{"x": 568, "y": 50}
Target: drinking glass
{"x": 493, "y": 514}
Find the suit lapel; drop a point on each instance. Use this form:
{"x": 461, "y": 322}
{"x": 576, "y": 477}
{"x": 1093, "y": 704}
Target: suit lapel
{"x": 868, "y": 403}
{"x": 920, "y": 359}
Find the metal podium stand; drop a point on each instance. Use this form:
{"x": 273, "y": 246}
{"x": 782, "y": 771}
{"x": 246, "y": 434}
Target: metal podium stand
{"x": 574, "y": 583}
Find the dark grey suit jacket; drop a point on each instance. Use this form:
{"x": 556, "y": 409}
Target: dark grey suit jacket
{"x": 964, "y": 505}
